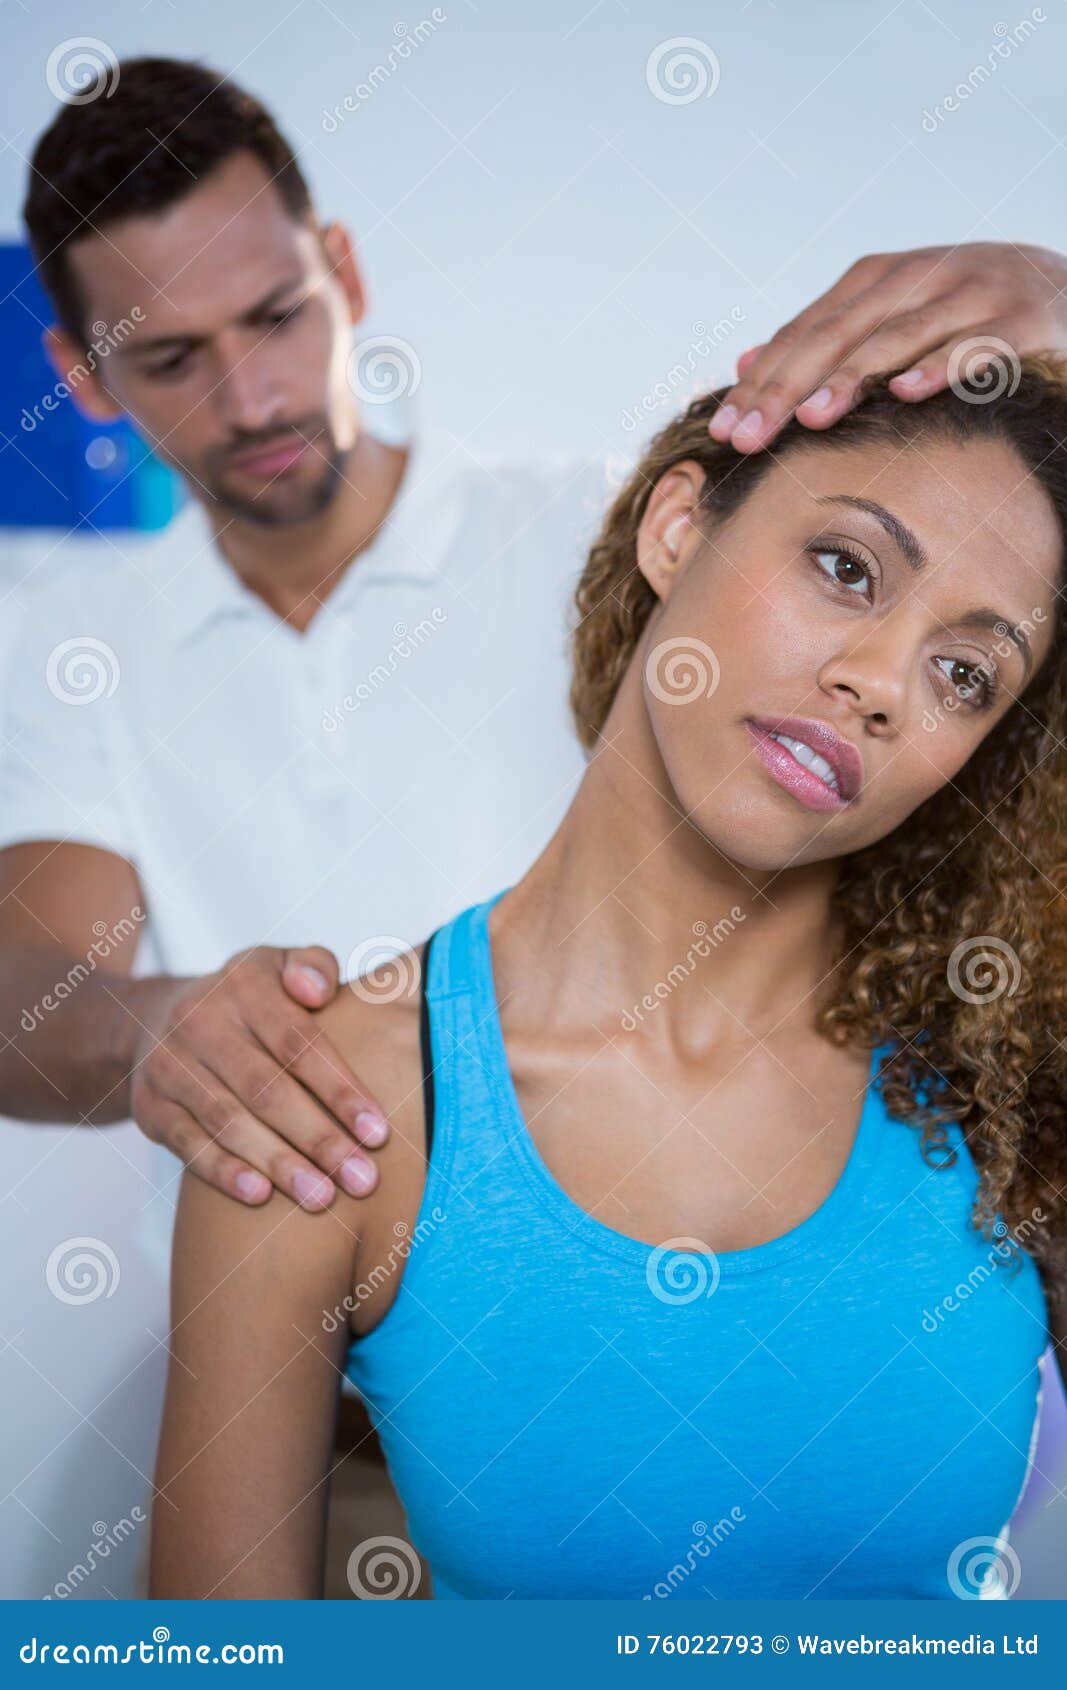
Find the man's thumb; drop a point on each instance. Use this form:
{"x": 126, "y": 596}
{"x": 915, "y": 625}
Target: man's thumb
{"x": 311, "y": 975}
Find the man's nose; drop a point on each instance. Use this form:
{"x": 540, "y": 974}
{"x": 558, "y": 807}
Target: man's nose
{"x": 247, "y": 395}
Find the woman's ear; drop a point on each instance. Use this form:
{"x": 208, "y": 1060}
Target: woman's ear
{"x": 667, "y": 537}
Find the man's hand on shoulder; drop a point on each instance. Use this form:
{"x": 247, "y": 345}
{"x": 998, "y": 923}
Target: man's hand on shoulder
{"x": 236, "y": 1075}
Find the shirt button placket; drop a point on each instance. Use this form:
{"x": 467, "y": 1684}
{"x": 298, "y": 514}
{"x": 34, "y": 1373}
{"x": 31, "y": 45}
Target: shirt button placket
{"x": 325, "y": 719}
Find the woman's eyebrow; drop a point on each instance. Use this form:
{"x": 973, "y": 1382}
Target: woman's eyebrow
{"x": 997, "y": 624}
{"x": 916, "y": 556}
{"x": 899, "y": 532}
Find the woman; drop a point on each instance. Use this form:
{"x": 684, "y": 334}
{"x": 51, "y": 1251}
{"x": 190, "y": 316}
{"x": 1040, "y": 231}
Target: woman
{"x": 686, "y": 1304}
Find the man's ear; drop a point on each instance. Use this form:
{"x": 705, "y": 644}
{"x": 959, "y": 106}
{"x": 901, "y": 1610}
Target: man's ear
{"x": 340, "y": 255}
{"x": 87, "y": 390}
{"x": 667, "y": 537}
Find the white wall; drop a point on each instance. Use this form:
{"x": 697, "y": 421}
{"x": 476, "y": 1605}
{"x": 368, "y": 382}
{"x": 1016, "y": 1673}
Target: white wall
{"x": 546, "y": 233}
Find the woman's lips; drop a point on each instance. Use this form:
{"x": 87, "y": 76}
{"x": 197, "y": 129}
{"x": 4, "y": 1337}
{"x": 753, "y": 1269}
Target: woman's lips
{"x": 812, "y": 792}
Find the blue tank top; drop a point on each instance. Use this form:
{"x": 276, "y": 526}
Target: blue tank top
{"x": 849, "y": 1410}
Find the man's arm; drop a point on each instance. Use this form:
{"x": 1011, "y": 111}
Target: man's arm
{"x": 246, "y": 1445}
{"x": 905, "y": 311}
{"x": 230, "y": 1070}
{"x": 69, "y": 927}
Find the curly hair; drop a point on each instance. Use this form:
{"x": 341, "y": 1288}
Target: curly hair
{"x": 955, "y": 924}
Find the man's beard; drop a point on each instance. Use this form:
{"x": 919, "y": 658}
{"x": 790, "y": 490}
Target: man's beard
{"x": 279, "y": 504}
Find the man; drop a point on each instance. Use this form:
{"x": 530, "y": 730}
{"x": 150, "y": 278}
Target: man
{"x": 225, "y": 742}
{"x": 275, "y": 719}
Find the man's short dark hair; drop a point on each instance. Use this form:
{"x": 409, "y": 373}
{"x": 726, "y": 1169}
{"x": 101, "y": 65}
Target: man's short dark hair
{"x": 139, "y": 149}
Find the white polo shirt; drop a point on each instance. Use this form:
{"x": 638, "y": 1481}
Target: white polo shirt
{"x": 352, "y": 786}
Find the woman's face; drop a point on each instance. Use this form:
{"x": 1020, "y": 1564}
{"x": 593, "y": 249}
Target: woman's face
{"x": 883, "y": 606}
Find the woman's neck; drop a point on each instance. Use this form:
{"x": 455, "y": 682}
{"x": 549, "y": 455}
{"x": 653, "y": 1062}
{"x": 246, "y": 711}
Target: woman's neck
{"x": 631, "y": 918}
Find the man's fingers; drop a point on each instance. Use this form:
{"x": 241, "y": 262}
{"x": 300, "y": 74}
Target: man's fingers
{"x": 933, "y": 372}
{"x": 929, "y": 376}
{"x": 882, "y": 312}
{"x": 175, "y": 1127}
{"x": 820, "y": 367}
{"x": 300, "y": 1046}
{"x": 266, "y": 1087}
{"x": 296, "y": 1175}
{"x": 914, "y": 342}
{"x": 310, "y": 975}
{"x": 353, "y": 1170}
{"x": 242, "y": 1079}
{"x": 256, "y": 1160}
{"x": 741, "y": 400}
{"x": 747, "y": 356}
{"x": 284, "y": 1154}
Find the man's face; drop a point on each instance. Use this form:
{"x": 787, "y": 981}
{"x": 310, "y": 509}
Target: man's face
{"x": 236, "y": 370}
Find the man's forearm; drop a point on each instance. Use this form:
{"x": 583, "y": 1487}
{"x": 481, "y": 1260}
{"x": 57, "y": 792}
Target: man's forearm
{"x": 69, "y": 1035}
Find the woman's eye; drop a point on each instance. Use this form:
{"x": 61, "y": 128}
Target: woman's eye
{"x": 845, "y": 561}
{"x": 975, "y": 685}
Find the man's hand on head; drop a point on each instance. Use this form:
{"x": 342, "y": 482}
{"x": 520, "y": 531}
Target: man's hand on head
{"x": 235, "y": 1075}
{"x": 905, "y": 311}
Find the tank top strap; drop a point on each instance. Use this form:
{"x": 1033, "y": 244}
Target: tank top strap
{"x": 462, "y": 1097}
{"x": 455, "y": 965}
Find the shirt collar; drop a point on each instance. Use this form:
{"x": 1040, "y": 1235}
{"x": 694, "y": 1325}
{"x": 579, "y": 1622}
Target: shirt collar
{"x": 410, "y": 545}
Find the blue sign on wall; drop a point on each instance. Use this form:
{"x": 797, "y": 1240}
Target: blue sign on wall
{"x": 59, "y": 469}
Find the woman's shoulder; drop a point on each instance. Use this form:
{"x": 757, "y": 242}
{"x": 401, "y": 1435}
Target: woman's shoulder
{"x": 373, "y": 1024}
{"x": 378, "y": 1036}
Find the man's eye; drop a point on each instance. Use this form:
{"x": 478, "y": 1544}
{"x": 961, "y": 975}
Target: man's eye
{"x": 848, "y": 559}
{"x": 171, "y": 367}
{"x": 174, "y": 366}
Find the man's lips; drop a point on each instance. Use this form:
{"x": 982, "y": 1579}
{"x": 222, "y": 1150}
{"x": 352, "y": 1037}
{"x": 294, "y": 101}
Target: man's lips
{"x": 271, "y": 460}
